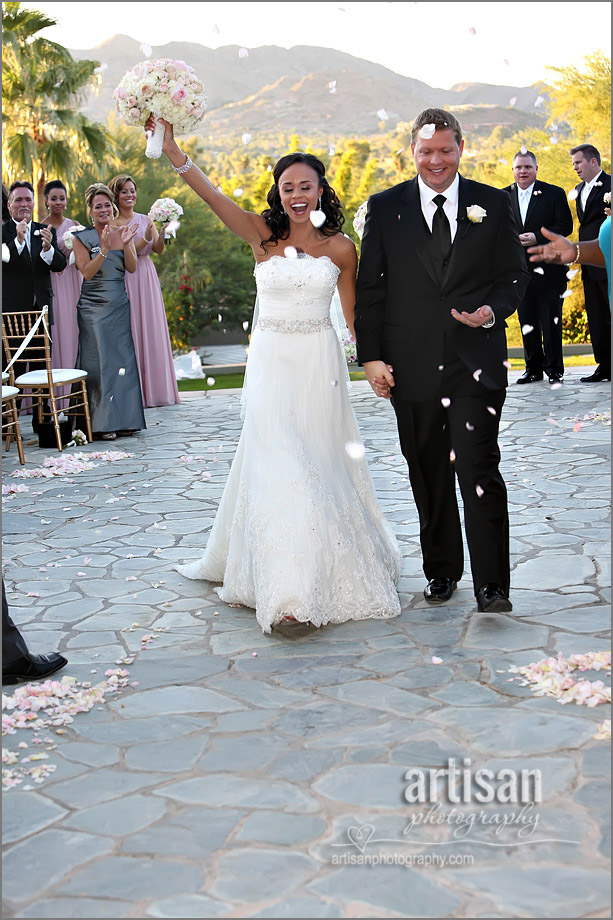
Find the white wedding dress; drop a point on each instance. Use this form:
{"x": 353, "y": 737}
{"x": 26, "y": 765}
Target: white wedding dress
{"x": 299, "y": 530}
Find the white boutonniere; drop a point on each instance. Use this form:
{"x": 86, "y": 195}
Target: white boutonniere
{"x": 597, "y": 184}
{"x": 475, "y": 213}
{"x": 537, "y": 191}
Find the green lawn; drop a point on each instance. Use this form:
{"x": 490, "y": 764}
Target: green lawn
{"x": 233, "y": 381}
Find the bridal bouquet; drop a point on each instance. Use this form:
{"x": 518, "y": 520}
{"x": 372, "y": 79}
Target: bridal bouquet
{"x": 349, "y": 347}
{"x": 166, "y": 89}
{"x": 360, "y": 218}
{"x": 166, "y": 211}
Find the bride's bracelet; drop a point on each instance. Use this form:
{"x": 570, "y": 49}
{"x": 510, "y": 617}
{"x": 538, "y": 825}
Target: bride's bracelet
{"x": 183, "y": 169}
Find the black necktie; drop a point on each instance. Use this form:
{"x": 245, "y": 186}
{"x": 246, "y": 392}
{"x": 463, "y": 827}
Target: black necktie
{"x": 441, "y": 231}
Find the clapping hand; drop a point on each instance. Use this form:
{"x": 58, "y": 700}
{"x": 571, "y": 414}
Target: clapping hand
{"x": 105, "y": 240}
{"x": 128, "y": 233}
{"x": 560, "y": 251}
{"x": 46, "y": 236}
{"x": 21, "y": 230}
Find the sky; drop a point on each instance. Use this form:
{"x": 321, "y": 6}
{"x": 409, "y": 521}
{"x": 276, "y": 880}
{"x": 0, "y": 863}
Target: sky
{"x": 439, "y": 43}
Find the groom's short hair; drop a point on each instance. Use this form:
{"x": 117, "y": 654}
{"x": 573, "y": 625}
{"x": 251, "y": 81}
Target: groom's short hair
{"x": 442, "y": 121}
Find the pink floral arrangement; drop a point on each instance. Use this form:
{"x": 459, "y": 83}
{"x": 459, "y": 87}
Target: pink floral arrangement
{"x": 166, "y": 89}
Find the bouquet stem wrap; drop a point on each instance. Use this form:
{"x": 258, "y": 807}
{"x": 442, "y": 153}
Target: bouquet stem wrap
{"x": 154, "y": 142}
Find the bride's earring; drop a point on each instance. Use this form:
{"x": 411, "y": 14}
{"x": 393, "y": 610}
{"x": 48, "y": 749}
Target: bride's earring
{"x": 318, "y": 217}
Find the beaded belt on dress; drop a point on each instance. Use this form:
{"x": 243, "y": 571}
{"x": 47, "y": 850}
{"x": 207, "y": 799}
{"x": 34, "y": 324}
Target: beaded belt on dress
{"x": 294, "y": 325}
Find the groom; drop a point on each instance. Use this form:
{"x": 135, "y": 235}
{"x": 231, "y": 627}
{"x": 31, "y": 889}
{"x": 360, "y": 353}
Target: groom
{"x": 441, "y": 267}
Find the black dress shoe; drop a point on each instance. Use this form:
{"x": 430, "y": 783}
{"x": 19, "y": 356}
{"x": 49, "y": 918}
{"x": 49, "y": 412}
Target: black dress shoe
{"x": 598, "y": 375}
{"x": 555, "y": 378}
{"x": 492, "y": 599}
{"x": 528, "y": 377}
{"x": 32, "y": 667}
{"x": 439, "y": 590}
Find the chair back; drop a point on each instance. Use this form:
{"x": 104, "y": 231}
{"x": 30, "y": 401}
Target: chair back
{"x": 17, "y": 325}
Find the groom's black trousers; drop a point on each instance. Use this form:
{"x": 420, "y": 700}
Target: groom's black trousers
{"x": 441, "y": 442}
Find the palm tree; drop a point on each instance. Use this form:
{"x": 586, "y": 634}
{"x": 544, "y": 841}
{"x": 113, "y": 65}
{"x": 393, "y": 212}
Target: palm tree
{"x": 42, "y": 87}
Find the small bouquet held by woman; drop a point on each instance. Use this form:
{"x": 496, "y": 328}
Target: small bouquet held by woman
{"x": 165, "y": 213}
{"x": 163, "y": 88}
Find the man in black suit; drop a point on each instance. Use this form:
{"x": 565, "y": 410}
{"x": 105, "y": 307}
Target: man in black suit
{"x": 441, "y": 267}
{"x": 590, "y": 211}
{"x": 34, "y": 254}
{"x": 537, "y": 204}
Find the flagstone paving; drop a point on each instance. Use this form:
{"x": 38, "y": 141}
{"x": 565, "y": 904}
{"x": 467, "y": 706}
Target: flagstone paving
{"x": 243, "y": 775}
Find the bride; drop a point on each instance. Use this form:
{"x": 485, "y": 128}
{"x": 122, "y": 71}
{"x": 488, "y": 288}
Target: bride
{"x": 299, "y": 534}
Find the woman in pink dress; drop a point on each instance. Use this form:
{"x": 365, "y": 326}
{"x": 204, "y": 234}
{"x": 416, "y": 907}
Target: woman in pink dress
{"x": 149, "y": 324}
{"x": 66, "y": 284}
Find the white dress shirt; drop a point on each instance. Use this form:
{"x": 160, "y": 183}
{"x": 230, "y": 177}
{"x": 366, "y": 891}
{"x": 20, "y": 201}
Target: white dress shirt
{"x": 450, "y": 207}
{"x": 428, "y": 207}
{"x": 523, "y": 197}
{"x": 45, "y": 256}
{"x": 587, "y": 188}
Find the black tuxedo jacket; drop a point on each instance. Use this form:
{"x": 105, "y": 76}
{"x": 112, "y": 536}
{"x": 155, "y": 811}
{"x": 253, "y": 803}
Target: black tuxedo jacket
{"x": 591, "y": 218}
{"x": 26, "y": 278}
{"x": 403, "y": 304}
{"x": 548, "y": 207}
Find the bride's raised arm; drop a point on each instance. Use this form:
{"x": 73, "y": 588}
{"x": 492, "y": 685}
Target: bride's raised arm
{"x": 249, "y": 226}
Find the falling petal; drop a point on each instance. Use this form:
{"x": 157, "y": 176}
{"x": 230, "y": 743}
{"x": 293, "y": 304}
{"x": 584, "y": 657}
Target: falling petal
{"x": 523, "y": 149}
{"x": 567, "y": 294}
{"x": 445, "y": 402}
{"x": 472, "y": 30}
{"x": 507, "y": 364}
{"x": 254, "y": 654}
{"x": 334, "y": 383}
{"x": 491, "y": 410}
{"x": 243, "y": 53}
{"x": 427, "y": 132}
{"x": 355, "y": 450}
{"x": 526, "y": 330}
{"x": 503, "y": 161}
{"x": 571, "y": 273}
{"x": 290, "y": 252}
{"x": 479, "y": 491}
{"x": 572, "y": 194}
{"x": 469, "y": 427}
{"x": 556, "y": 320}
{"x": 539, "y": 271}
{"x": 331, "y": 151}
{"x": 210, "y": 381}
{"x": 146, "y": 49}
{"x": 122, "y": 371}
{"x": 513, "y": 100}
{"x": 246, "y": 138}
{"x": 477, "y": 374}
{"x": 317, "y": 218}
{"x": 538, "y": 101}
{"x": 452, "y": 455}
{"x": 436, "y": 660}
{"x": 382, "y": 115}
{"x": 246, "y": 325}
{"x": 237, "y": 192}
{"x": 578, "y": 426}
{"x": 553, "y": 139}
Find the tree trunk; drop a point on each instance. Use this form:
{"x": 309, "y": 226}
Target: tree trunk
{"x": 39, "y": 184}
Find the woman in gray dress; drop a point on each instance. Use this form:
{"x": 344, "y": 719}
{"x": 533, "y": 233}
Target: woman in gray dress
{"x": 103, "y": 254}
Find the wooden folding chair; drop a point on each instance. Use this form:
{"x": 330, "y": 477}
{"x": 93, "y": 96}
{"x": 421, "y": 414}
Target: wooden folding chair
{"x": 10, "y": 417}
{"x": 16, "y": 326}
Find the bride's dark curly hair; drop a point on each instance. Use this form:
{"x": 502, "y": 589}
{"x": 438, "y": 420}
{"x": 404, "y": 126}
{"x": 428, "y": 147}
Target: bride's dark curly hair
{"x": 275, "y": 216}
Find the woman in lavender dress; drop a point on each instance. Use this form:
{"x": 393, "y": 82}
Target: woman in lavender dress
{"x": 66, "y": 284}
{"x": 148, "y": 315}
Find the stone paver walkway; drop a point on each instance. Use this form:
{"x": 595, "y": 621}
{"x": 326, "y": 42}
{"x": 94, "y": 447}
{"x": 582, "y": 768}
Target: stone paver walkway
{"x": 254, "y": 776}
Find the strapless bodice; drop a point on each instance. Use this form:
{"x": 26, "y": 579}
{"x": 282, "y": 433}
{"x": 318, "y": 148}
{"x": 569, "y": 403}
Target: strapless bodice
{"x": 297, "y": 290}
